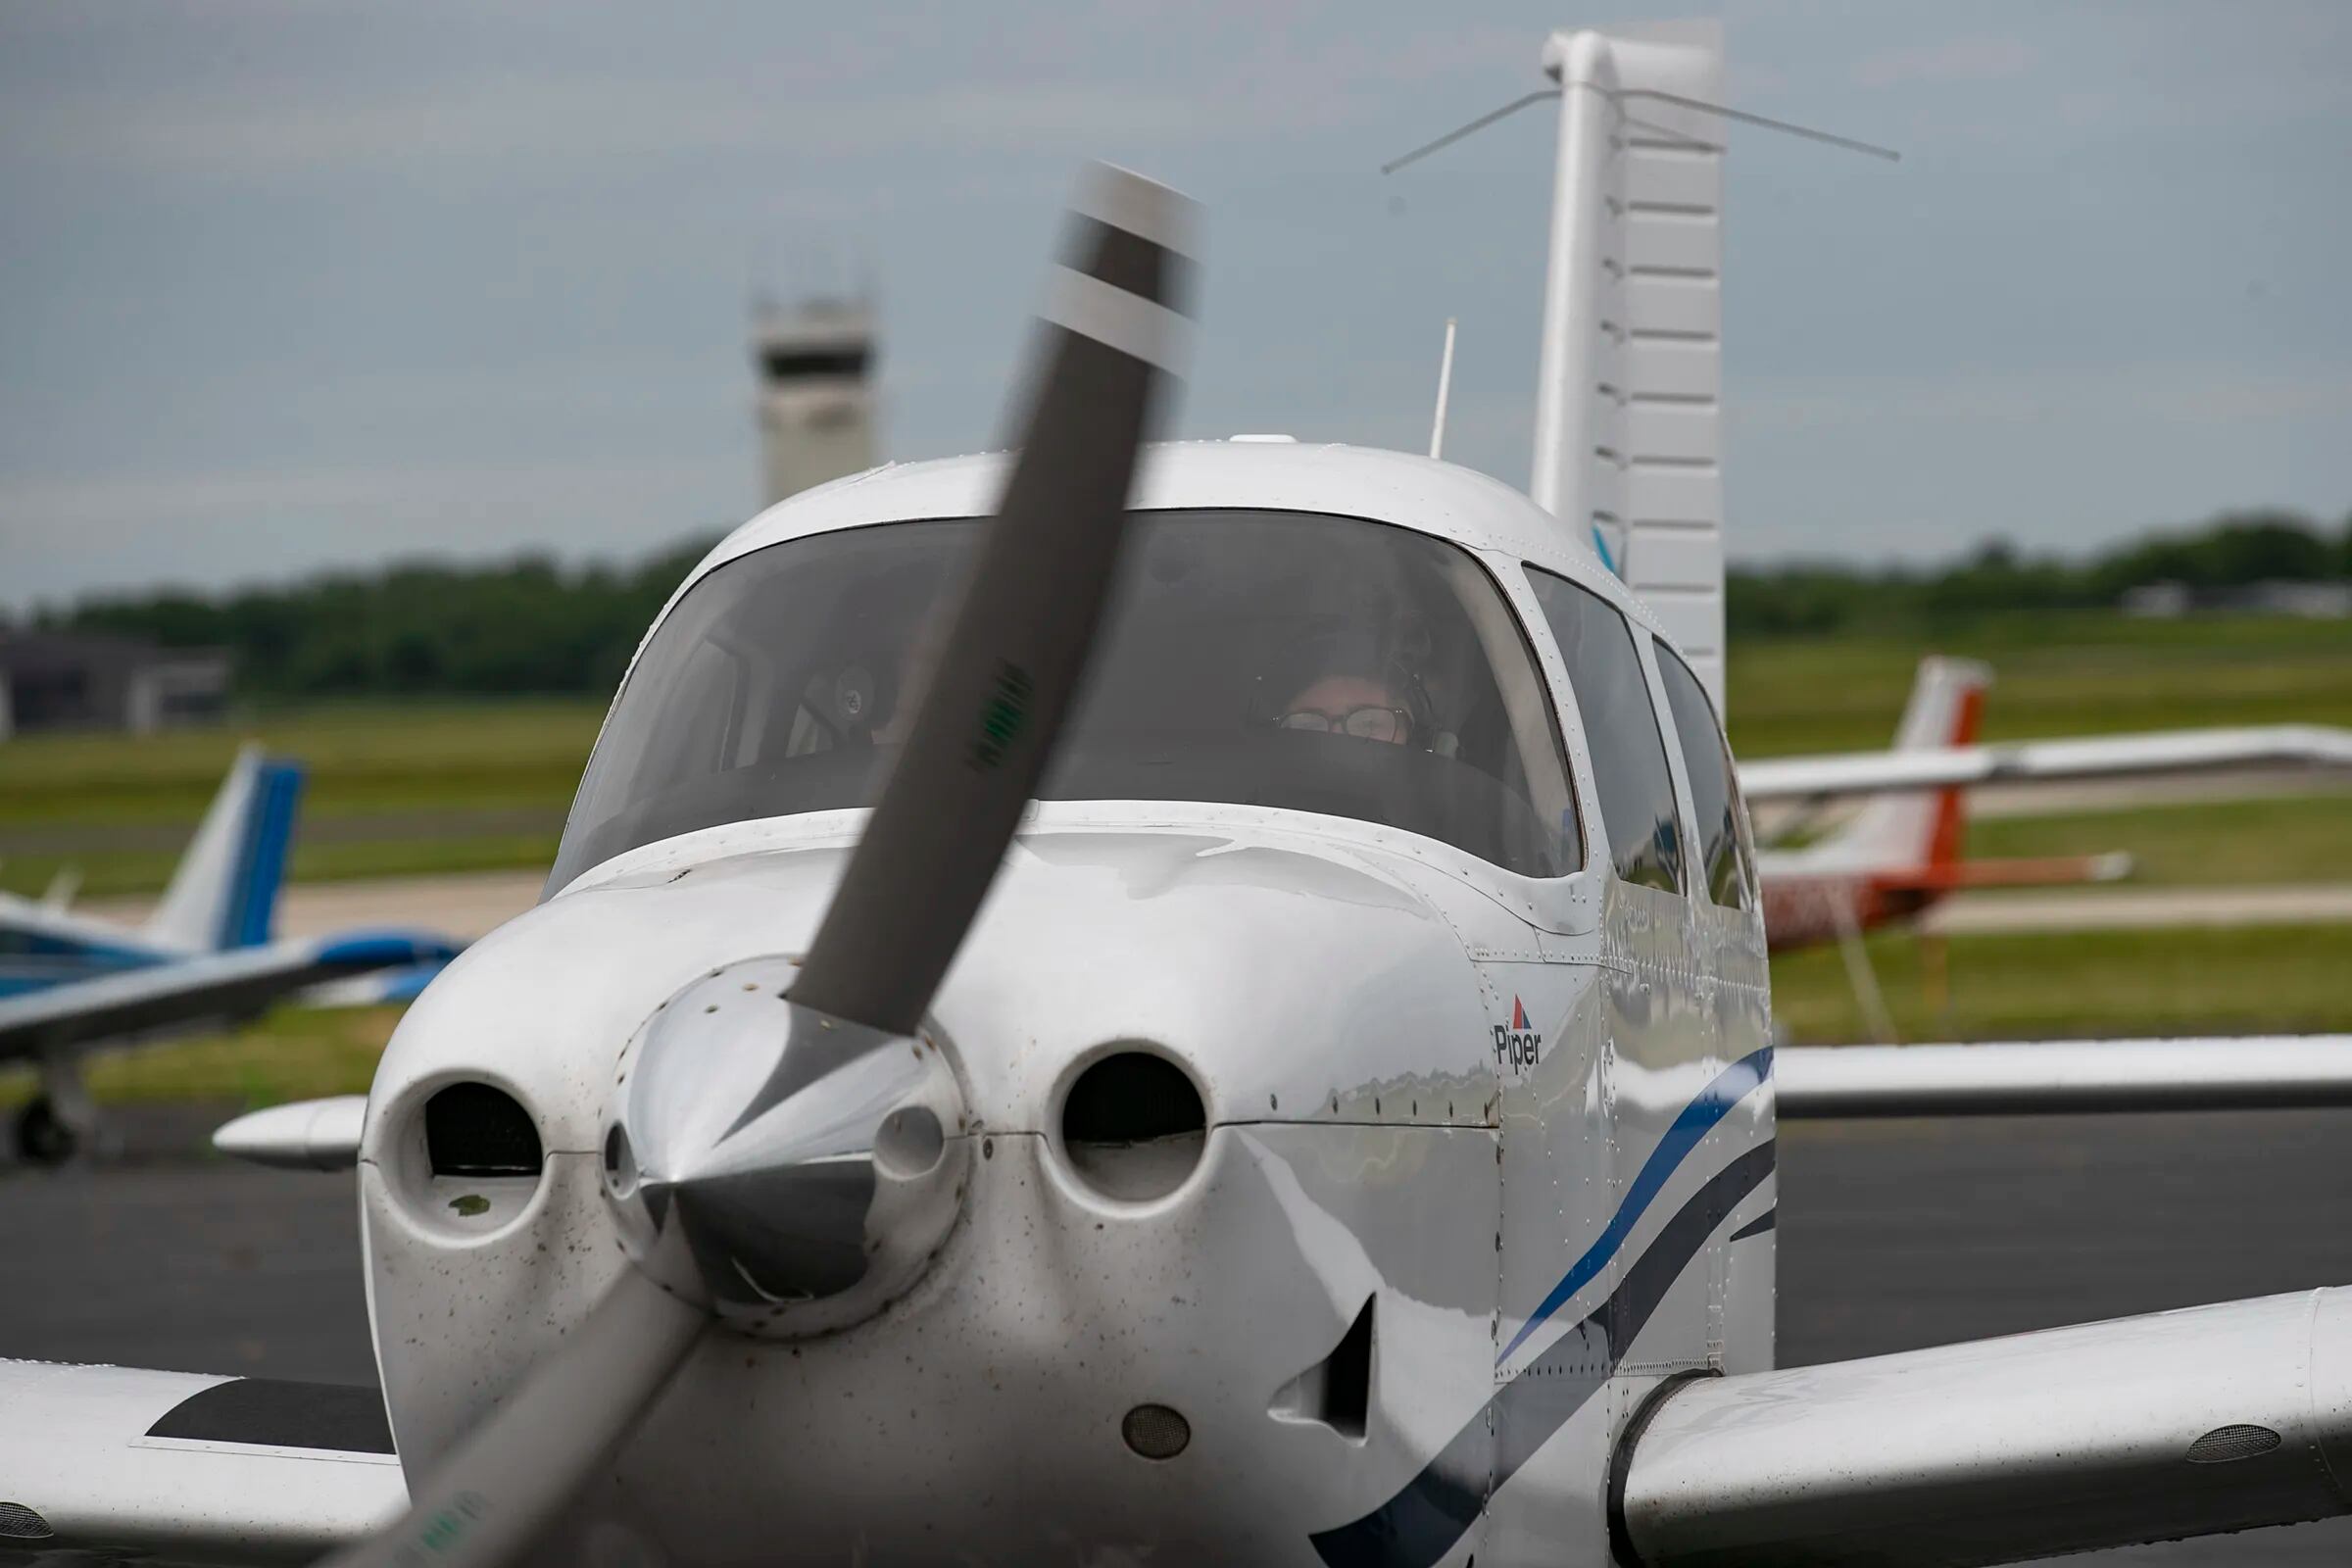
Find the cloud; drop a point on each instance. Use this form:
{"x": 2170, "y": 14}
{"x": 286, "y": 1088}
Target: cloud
{"x": 1987, "y": 58}
{"x": 577, "y": 121}
{"x": 831, "y": 95}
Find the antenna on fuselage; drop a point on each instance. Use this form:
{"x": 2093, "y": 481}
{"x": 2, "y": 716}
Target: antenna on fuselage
{"x": 1437, "y": 428}
{"x": 1721, "y": 111}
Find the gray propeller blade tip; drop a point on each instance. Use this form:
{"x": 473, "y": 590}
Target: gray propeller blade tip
{"x": 1126, "y": 277}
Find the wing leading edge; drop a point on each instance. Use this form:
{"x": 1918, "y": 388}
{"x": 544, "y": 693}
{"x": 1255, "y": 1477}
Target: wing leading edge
{"x": 2196, "y": 1422}
{"x": 179, "y": 1468}
{"x": 2172, "y": 752}
{"x": 2284, "y": 1072}
{"x": 192, "y": 990}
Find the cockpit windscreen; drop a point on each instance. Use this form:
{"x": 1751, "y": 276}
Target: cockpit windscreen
{"x": 1288, "y": 660}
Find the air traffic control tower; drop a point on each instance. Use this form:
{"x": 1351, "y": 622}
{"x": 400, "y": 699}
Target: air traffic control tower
{"x": 816, "y": 402}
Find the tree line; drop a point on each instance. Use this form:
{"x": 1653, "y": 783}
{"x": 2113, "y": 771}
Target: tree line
{"x": 2234, "y": 549}
{"x": 526, "y": 625}
{"x": 530, "y": 625}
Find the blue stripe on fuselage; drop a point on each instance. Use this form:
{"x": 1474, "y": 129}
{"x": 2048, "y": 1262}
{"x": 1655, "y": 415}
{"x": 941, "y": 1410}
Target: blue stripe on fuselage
{"x": 1421, "y": 1523}
{"x": 1730, "y": 1087}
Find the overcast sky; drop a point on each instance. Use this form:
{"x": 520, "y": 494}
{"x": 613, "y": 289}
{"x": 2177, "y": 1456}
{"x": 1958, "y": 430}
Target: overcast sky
{"x": 285, "y": 284}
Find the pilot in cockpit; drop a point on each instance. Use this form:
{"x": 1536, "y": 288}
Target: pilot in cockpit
{"x": 1347, "y": 684}
{"x": 1320, "y": 664}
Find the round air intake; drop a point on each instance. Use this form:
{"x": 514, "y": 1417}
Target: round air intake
{"x": 1132, "y": 1126}
{"x": 472, "y": 1129}
{"x": 1156, "y": 1431}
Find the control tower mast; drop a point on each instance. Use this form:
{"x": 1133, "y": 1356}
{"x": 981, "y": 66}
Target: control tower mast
{"x": 816, "y": 405}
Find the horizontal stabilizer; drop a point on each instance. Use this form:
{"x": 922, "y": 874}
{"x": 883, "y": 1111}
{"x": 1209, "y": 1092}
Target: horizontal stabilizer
{"x": 1961, "y": 876}
{"x": 2189, "y": 1423}
{"x": 2007, "y": 1078}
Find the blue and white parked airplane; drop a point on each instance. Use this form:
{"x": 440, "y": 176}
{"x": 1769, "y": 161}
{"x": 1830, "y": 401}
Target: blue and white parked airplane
{"x": 71, "y": 983}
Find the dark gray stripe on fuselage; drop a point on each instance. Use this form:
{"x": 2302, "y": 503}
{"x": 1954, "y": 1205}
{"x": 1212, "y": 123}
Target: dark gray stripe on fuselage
{"x": 1421, "y": 1523}
{"x": 274, "y": 1413}
{"x": 1757, "y": 1226}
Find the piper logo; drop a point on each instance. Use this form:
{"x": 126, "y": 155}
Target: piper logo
{"x": 1516, "y": 1043}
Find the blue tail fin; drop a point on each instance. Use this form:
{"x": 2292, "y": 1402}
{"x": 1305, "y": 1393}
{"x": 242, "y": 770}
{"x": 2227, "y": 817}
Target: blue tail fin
{"x": 262, "y": 867}
{"x": 224, "y": 892}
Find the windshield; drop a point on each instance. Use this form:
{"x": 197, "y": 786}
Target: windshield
{"x": 1284, "y": 660}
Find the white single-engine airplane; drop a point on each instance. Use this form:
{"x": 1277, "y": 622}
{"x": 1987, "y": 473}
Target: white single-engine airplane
{"x": 1333, "y": 1125}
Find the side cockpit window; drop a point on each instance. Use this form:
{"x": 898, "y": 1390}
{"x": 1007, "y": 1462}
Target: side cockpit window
{"x": 1726, "y": 860}
{"x": 1296, "y": 661}
{"x": 1621, "y": 727}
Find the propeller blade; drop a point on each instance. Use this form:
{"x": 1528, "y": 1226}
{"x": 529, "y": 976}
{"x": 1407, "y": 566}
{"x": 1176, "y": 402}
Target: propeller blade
{"x": 495, "y": 1495}
{"x": 1010, "y": 666}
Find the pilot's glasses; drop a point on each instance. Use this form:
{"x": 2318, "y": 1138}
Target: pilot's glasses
{"x": 1364, "y": 724}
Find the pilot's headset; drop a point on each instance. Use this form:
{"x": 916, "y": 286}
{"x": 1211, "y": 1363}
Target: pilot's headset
{"x": 861, "y": 694}
{"x": 858, "y": 697}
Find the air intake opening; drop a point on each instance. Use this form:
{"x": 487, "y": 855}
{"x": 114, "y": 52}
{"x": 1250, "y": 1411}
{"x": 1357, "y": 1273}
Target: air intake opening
{"x": 1132, "y": 1126}
{"x": 1336, "y": 1391}
{"x": 474, "y": 1130}
{"x": 19, "y": 1523}
{"x": 2223, "y": 1445}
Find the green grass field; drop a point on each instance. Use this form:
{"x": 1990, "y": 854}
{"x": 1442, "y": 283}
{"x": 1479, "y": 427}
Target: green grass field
{"x": 392, "y": 790}
{"x": 2265, "y": 839}
{"x": 413, "y": 789}
{"x": 2056, "y": 675}
{"x": 2082, "y": 984}
{"x": 295, "y": 1054}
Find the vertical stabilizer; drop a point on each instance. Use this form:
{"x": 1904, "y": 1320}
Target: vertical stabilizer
{"x": 1629, "y": 433}
{"x": 1922, "y": 830}
{"x": 223, "y": 893}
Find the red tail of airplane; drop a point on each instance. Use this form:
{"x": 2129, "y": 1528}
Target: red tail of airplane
{"x": 1903, "y": 852}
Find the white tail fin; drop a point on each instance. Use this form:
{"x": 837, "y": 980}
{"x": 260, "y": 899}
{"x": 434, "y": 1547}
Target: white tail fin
{"x": 1629, "y": 437}
{"x": 57, "y": 896}
{"x": 225, "y": 890}
{"x": 1922, "y": 829}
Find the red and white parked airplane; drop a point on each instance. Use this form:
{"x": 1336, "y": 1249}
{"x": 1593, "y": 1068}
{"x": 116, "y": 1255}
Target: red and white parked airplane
{"x": 1900, "y": 854}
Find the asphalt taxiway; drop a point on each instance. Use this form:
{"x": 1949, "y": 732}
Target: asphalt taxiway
{"x": 1892, "y": 1235}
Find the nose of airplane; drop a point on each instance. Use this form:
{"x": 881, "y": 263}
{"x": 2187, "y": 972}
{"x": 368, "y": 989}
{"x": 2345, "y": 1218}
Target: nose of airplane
{"x": 791, "y": 1171}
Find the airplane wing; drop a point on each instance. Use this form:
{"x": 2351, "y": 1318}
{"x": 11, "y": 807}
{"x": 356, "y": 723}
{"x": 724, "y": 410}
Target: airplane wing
{"x": 177, "y": 1468}
{"x": 2255, "y": 1072}
{"x": 2172, "y": 752}
{"x": 2001, "y": 1449}
{"x": 199, "y": 988}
